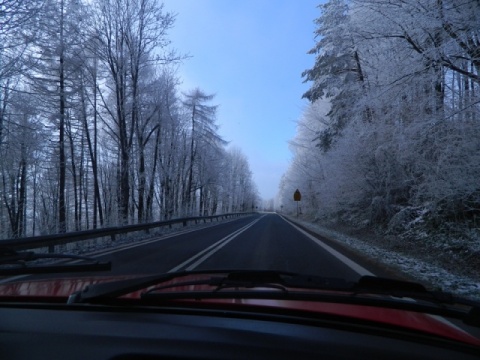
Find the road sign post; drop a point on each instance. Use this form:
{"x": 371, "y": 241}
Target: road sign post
{"x": 297, "y": 197}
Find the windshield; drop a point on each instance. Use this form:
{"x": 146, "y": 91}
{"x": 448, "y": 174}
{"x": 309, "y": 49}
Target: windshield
{"x": 335, "y": 138}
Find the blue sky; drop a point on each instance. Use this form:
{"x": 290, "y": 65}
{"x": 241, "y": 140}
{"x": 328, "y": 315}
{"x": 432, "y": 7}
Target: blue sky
{"x": 251, "y": 54}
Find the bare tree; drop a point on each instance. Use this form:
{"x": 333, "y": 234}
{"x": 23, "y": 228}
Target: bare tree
{"x": 128, "y": 32}
{"x": 203, "y": 134}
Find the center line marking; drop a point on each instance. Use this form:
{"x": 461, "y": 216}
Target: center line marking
{"x": 212, "y": 249}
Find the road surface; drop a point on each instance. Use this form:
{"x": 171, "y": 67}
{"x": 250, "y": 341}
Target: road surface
{"x": 262, "y": 241}
{"x": 256, "y": 242}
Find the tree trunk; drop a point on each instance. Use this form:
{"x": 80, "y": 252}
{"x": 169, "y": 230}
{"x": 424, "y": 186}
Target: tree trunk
{"x": 151, "y": 188}
{"x": 74, "y": 178}
{"x": 141, "y": 184}
{"x": 62, "y": 226}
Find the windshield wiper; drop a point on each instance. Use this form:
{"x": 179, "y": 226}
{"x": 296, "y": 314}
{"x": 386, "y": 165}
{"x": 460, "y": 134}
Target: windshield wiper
{"x": 230, "y": 279}
{"x": 395, "y": 292}
{"x": 234, "y": 280}
{"x": 286, "y": 285}
{"x": 246, "y": 279}
{"x": 16, "y": 263}
{"x": 99, "y": 292}
{"x": 260, "y": 278}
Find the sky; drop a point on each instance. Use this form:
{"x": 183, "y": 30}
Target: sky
{"x": 250, "y": 54}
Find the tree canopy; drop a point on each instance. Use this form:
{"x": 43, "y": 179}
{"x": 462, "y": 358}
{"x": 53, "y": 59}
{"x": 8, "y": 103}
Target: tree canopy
{"x": 390, "y": 137}
{"x": 94, "y": 128}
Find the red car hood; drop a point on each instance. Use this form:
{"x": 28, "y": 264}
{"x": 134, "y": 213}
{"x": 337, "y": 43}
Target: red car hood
{"x": 62, "y": 288}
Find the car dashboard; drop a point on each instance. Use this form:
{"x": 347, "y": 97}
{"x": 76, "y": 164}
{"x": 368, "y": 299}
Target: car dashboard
{"x": 62, "y": 331}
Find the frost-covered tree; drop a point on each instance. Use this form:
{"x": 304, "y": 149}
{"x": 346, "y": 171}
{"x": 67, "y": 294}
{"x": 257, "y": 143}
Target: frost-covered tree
{"x": 406, "y": 138}
{"x": 128, "y": 33}
{"x": 53, "y": 63}
{"x": 204, "y": 136}
{"x": 93, "y": 128}
{"x": 337, "y": 73}
{"x": 239, "y": 192}
{"x": 23, "y": 141}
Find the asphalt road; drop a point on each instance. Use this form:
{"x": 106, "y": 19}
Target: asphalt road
{"x": 263, "y": 241}
{"x": 257, "y": 242}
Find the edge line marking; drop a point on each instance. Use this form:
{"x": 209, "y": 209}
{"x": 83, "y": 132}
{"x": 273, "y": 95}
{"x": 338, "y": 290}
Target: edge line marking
{"x": 345, "y": 260}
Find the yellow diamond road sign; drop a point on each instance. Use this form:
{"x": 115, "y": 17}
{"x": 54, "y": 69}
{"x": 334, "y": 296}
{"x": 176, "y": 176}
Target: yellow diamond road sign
{"x": 297, "y": 196}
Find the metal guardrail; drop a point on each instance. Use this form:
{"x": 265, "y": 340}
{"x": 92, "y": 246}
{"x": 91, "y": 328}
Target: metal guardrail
{"x": 35, "y": 242}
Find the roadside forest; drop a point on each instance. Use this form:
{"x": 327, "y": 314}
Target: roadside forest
{"x": 94, "y": 128}
{"x": 390, "y": 139}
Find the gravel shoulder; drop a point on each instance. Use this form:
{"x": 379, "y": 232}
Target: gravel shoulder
{"x": 417, "y": 263}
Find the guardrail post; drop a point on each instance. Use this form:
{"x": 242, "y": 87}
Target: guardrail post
{"x": 51, "y": 249}
{"x": 112, "y": 237}
{"x": 185, "y": 223}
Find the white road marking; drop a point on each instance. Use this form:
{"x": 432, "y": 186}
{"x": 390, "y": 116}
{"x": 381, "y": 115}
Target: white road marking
{"x": 351, "y": 264}
{"x": 104, "y": 252}
{"x": 203, "y": 255}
